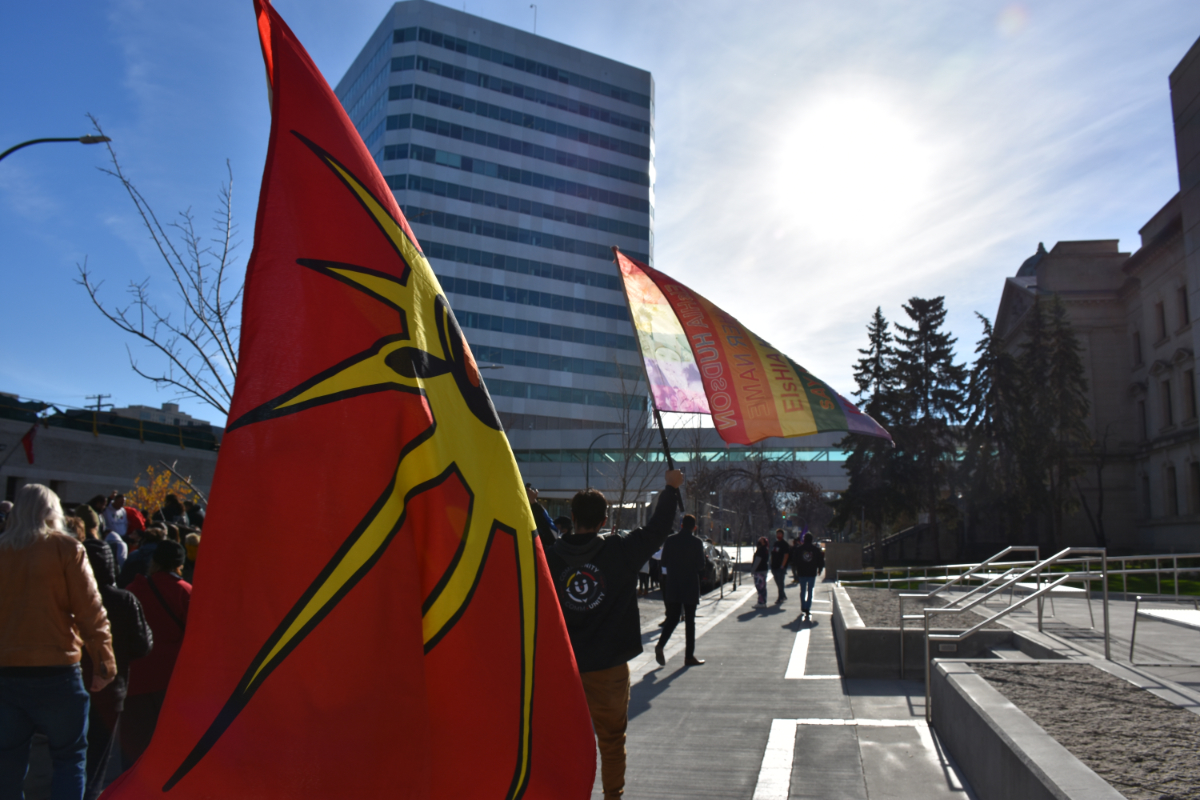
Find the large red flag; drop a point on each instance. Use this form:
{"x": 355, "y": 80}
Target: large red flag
{"x": 372, "y": 616}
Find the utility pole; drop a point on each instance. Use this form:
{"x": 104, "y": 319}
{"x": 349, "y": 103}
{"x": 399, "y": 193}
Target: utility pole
{"x": 99, "y": 398}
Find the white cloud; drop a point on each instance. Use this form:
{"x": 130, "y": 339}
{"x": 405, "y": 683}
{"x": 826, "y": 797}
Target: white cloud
{"x": 967, "y": 132}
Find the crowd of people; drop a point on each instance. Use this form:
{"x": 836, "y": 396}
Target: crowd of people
{"x": 802, "y": 554}
{"x": 93, "y": 606}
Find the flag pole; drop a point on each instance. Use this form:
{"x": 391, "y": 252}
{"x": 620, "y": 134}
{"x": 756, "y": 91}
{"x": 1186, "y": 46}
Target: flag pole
{"x": 653, "y": 405}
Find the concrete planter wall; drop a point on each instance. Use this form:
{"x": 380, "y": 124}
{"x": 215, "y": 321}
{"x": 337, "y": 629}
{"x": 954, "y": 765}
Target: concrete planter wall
{"x": 1003, "y": 753}
{"x": 875, "y": 652}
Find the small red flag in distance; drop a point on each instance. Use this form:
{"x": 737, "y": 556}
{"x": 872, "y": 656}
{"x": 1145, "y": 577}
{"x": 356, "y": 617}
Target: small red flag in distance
{"x": 27, "y": 442}
{"x": 373, "y": 616}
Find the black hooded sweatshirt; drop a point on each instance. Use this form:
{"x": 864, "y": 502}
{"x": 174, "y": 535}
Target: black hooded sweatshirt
{"x": 596, "y": 581}
{"x": 130, "y": 634}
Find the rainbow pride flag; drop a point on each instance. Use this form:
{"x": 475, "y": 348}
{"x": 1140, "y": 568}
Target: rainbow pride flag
{"x": 701, "y": 360}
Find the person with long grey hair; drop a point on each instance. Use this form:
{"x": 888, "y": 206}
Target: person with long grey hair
{"x": 50, "y": 609}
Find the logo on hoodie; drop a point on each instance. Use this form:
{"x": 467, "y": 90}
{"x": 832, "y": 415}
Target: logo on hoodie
{"x": 583, "y": 588}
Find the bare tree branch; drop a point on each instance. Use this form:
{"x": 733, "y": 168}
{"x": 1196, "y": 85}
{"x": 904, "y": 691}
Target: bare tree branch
{"x": 199, "y": 341}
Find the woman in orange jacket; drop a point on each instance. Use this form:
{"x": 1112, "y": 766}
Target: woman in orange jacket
{"x": 50, "y": 609}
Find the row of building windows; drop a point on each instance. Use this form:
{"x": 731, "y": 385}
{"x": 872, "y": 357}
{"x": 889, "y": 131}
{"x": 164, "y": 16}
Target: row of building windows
{"x": 1162, "y": 325}
{"x": 544, "y": 330}
{"x": 377, "y": 61}
{"x": 521, "y": 266}
{"x": 372, "y": 138}
{"x": 472, "y": 78}
{"x": 402, "y": 35}
{"x": 511, "y": 233}
{"x": 1167, "y": 404}
{"x": 529, "y": 297}
{"x": 1172, "y": 505}
{"x": 358, "y": 111}
{"x": 477, "y": 166}
{"x": 372, "y": 113}
{"x": 529, "y": 121}
{"x": 509, "y": 145}
{"x": 467, "y": 194}
{"x": 538, "y": 422}
{"x": 564, "y": 394}
{"x": 580, "y": 366}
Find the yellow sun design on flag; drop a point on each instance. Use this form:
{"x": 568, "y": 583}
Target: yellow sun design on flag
{"x": 428, "y": 356}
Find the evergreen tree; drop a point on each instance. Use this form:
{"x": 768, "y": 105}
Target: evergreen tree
{"x": 931, "y": 401}
{"x": 869, "y": 465}
{"x": 875, "y": 371}
{"x": 1033, "y": 421}
{"x": 994, "y": 398}
{"x": 1066, "y": 410}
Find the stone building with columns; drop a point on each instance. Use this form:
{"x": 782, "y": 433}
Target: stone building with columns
{"x": 1133, "y": 315}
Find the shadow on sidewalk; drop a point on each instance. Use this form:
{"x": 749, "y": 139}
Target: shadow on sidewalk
{"x": 643, "y": 693}
{"x": 761, "y": 611}
{"x": 800, "y": 623}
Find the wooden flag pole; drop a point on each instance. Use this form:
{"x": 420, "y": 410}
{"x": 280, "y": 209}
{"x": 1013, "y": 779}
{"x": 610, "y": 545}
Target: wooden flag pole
{"x": 653, "y": 405}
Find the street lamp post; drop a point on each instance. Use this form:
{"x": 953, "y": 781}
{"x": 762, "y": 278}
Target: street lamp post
{"x": 587, "y": 462}
{"x": 89, "y": 139}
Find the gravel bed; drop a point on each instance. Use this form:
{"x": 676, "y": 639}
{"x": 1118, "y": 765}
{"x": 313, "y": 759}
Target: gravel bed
{"x": 1147, "y": 748}
{"x": 880, "y": 608}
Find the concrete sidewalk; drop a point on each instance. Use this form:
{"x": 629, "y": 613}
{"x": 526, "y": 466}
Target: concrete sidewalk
{"x": 1158, "y": 642}
{"x": 768, "y": 718}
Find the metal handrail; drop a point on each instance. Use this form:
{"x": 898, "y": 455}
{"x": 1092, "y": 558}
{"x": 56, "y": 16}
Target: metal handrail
{"x": 1137, "y": 607}
{"x": 953, "y": 604}
{"x": 918, "y": 573}
{"x": 1038, "y": 569}
{"x": 909, "y": 574}
{"x": 994, "y": 560}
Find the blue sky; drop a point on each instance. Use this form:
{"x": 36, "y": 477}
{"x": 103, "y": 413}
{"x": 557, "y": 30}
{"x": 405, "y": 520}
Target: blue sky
{"x": 815, "y": 160}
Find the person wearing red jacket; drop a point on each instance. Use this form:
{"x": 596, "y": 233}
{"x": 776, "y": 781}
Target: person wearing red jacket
{"x": 165, "y": 597}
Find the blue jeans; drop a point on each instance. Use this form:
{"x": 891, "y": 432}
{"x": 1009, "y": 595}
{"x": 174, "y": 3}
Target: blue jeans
{"x": 56, "y": 706}
{"x": 779, "y": 576}
{"x": 807, "y": 582}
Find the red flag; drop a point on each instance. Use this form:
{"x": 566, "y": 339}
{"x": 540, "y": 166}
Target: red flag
{"x": 27, "y": 442}
{"x": 372, "y": 615}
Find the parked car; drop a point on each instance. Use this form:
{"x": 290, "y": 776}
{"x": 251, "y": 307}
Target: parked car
{"x": 718, "y": 567}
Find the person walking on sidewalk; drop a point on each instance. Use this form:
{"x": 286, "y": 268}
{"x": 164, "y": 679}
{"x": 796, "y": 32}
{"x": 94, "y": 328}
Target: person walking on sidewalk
{"x": 809, "y": 560}
{"x": 683, "y": 555}
{"x": 595, "y": 578}
{"x": 758, "y": 568}
{"x": 780, "y": 552}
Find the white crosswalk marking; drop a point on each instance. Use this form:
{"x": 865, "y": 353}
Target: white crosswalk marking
{"x": 799, "y": 660}
{"x": 775, "y": 774}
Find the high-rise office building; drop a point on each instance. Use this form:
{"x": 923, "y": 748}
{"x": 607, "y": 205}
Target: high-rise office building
{"x": 519, "y": 162}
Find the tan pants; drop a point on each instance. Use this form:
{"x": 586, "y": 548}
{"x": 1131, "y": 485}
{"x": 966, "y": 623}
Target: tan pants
{"x": 607, "y": 692}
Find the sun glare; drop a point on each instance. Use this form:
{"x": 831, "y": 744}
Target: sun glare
{"x": 853, "y": 170}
